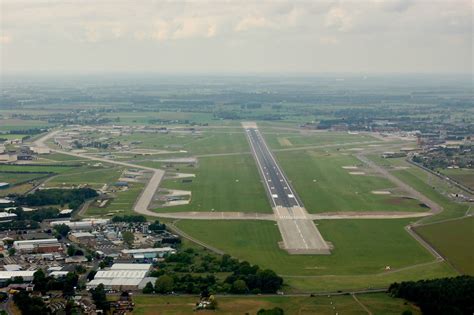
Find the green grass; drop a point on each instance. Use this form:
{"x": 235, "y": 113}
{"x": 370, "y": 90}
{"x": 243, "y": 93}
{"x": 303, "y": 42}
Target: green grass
{"x": 36, "y": 168}
{"x": 122, "y": 204}
{"x": 20, "y": 124}
{"x": 454, "y": 240}
{"x": 94, "y": 177}
{"x": 224, "y": 183}
{"x": 205, "y": 143}
{"x": 343, "y": 304}
{"x": 435, "y": 190}
{"x": 15, "y": 178}
{"x": 360, "y": 246}
{"x": 462, "y": 175}
{"x": 324, "y": 186}
{"x": 274, "y": 140}
{"x": 362, "y": 250}
{"x": 383, "y": 304}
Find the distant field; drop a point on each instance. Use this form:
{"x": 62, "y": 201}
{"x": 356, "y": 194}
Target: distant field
{"x": 455, "y": 240}
{"x": 462, "y": 175}
{"x": 343, "y": 304}
{"x": 20, "y": 124}
{"x": 224, "y": 183}
{"x": 141, "y": 118}
{"x": 324, "y": 185}
{"x": 321, "y": 138}
{"x": 208, "y": 142}
{"x": 14, "y": 178}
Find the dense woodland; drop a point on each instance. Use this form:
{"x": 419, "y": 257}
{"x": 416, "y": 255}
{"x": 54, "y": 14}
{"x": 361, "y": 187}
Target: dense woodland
{"x": 453, "y": 296}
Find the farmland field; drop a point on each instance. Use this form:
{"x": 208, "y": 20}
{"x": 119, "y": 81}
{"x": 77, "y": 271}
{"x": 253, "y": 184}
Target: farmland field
{"x": 378, "y": 303}
{"x": 455, "y": 240}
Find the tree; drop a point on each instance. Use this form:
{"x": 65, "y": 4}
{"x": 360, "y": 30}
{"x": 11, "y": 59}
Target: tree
{"x": 164, "y": 284}
{"x": 148, "y": 288}
{"x": 128, "y": 238}
{"x": 11, "y": 251}
{"x": 273, "y": 311}
{"x": 39, "y": 280}
{"x": 100, "y": 298}
{"x": 62, "y": 229}
{"x": 239, "y": 286}
{"x": 71, "y": 250}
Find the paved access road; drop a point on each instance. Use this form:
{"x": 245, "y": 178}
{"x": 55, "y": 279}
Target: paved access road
{"x": 300, "y": 235}
{"x": 146, "y": 197}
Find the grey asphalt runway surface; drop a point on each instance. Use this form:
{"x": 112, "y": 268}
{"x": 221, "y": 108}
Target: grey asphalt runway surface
{"x": 299, "y": 234}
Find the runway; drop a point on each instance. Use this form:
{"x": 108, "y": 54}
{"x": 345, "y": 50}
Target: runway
{"x": 299, "y": 233}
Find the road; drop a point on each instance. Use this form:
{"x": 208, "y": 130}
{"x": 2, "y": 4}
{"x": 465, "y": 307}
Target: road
{"x": 299, "y": 233}
{"x": 146, "y": 197}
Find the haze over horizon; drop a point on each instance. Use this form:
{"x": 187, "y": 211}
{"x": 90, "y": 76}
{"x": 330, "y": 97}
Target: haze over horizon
{"x": 236, "y": 37}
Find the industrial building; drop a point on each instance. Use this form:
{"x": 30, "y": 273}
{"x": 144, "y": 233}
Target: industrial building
{"x": 85, "y": 238}
{"x": 123, "y": 277}
{"x": 27, "y": 275}
{"x": 81, "y": 225}
{"x": 49, "y": 245}
{"x": 144, "y": 253}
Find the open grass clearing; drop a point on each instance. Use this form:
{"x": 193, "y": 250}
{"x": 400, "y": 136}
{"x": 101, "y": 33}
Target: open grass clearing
{"x": 122, "y": 203}
{"x": 94, "y": 177}
{"x": 21, "y": 124}
{"x": 462, "y": 175}
{"x": 224, "y": 183}
{"x": 361, "y": 247}
{"x": 206, "y": 142}
{"x": 311, "y": 139}
{"x": 15, "y": 178}
{"x": 343, "y": 304}
{"x": 454, "y": 240}
{"x": 324, "y": 185}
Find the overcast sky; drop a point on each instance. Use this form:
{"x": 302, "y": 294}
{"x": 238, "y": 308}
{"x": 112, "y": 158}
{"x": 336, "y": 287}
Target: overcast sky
{"x": 206, "y": 37}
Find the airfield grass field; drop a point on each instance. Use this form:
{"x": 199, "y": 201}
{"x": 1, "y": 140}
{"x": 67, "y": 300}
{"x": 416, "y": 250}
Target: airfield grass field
{"x": 464, "y": 176}
{"x": 284, "y": 140}
{"x": 362, "y": 250}
{"x": 16, "y": 178}
{"x": 454, "y": 240}
{"x": 324, "y": 185}
{"x": 435, "y": 189}
{"x": 21, "y": 124}
{"x": 207, "y": 142}
{"x": 223, "y": 183}
{"x": 378, "y": 303}
{"x": 122, "y": 204}
{"x": 94, "y": 177}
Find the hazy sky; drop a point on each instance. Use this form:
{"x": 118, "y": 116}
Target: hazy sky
{"x": 371, "y": 36}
